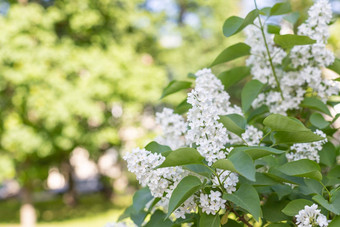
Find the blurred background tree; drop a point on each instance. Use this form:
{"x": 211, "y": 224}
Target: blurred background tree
{"x": 81, "y": 73}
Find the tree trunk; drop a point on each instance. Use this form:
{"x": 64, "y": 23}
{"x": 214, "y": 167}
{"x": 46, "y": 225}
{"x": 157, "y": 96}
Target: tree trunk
{"x": 107, "y": 190}
{"x": 28, "y": 217}
{"x": 70, "y": 197}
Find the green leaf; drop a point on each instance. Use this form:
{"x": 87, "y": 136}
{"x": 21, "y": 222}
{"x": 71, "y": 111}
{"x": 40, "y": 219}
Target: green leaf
{"x": 225, "y": 164}
{"x": 335, "y": 66}
{"x": 318, "y": 121}
{"x": 258, "y": 112}
{"x": 296, "y": 137}
{"x": 188, "y": 186}
{"x": 282, "y": 190}
{"x": 127, "y": 213}
{"x": 175, "y": 86}
{"x": 136, "y": 211}
{"x": 191, "y": 75}
{"x": 247, "y": 198}
{"x": 261, "y": 180}
{"x": 280, "y": 8}
{"x": 273, "y": 29}
{"x": 230, "y": 53}
{"x": 328, "y": 154}
{"x": 154, "y": 202}
{"x": 256, "y": 152}
{"x": 155, "y": 147}
{"x": 157, "y": 219}
{"x": 335, "y": 117}
{"x": 279, "y": 122}
{"x": 324, "y": 203}
{"x": 231, "y": 77}
{"x": 209, "y": 220}
{"x": 315, "y": 104}
{"x": 249, "y": 92}
{"x": 233, "y": 123}
{"x": 310, "y": 187}
{"x": 302, "y": 168}
{"x": 289, "y": 41}
{"x": 277, "y": 175}
{"x": 138, "y": 218}
{"x": 199, "y": 169}
{"x": 335, "y": 199}
{"x": 183, "y": 107}
{"x": 141, "y": 198}
{"x": 239, "y": 162}
{"x": 293, "y": 207}
{"x": 265, "y": 11}
{"x": 235, "y": 24}
{"x": 272, "y": 209}
{"x": 335, "y": 222}
{"x": 292, "y": 17}
{"x": 334, "y": 172}
{"x": 182, "y": 156}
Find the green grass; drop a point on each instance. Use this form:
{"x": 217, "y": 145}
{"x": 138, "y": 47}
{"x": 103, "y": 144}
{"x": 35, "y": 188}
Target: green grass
{"x": 92, "y": 210}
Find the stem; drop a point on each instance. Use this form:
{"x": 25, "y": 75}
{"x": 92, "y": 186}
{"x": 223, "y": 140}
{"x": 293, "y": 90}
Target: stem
{"x": 244, "y": 141}
{"x": 274, "y": 144}
{"x": 269, "y": 56}
{"x": 265, "y": 136}
{"x": 324, "y": 187}
{"x": 218, "y": 178}
{"x": 241, "y": 218}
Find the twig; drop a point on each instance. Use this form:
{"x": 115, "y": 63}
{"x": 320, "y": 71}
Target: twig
{"x": 241, "y": 218}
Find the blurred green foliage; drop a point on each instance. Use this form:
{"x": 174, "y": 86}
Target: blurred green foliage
{"x": 56, "y": 93}
{"x": 64, "y": 64}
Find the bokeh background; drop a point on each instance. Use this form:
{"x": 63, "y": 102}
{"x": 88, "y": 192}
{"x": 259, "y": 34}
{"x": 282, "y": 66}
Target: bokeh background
{"x": 80, "y": 81}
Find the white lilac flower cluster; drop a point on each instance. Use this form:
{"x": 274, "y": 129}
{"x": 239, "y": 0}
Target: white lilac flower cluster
{"x": 307, "y": 61}
{"x": 202, "y": 130}
{"x": 311, "y": 216}
{"x": 162, "y": 181}
{"x": 173, "y": 127}
{"x": 209, "y": 100}
{"x": 142, "y": 163}
{"x": 212, "y": 203}
{"x": 259, "y": 60}
{"x": 228, "y": 179}
{"x": 307, "y": 150}
{"x": 252, "y": 136}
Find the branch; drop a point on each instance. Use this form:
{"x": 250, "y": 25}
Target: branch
{"x": 241, "y": 218}
{"x": 269, "y": 56}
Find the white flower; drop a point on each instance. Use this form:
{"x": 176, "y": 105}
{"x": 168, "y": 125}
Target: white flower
{"x": 307, "y": 150}
{"x": 259, "y": 60}
{"x": 252, "y": 135}
{"x": 228, "y": 179}
{"x": 209, "y": 100}
{"x": 306, "y": 62}
{"x": 311, "y": 216}
{"x": 316, "y": 26}
{"x": 212, "y": 203}
{"x": 163, "y": 180}
{"x": 173, "y": 126}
